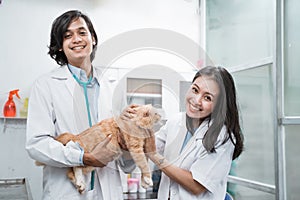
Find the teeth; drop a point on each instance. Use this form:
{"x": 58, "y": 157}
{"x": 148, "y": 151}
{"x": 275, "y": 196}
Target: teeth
{"x": 194, "y": 108}
{"x": 77, "y": 48}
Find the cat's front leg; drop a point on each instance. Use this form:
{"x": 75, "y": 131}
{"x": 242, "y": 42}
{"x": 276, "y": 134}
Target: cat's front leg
{"x": 146, "y": 176}
{"x": 79, "y": 179}
{"x": 142, "y": 163}
{"x": 146, "y": 180}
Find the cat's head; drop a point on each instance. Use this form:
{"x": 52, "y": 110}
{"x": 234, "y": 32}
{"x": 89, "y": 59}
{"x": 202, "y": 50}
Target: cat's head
{"x": 146, "y": 116}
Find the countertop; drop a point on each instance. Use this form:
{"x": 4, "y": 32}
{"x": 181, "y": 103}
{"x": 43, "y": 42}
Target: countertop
{"x": 137, "y": 195}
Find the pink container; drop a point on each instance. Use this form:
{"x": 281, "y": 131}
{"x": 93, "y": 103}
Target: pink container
{"x": 133, "y": 185}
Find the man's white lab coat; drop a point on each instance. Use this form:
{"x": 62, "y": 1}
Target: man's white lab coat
{"x": 57, "y": 105}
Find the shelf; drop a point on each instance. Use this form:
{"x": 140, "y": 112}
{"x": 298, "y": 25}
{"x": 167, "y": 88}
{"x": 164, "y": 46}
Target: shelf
{"x": 15, "y": 189}
{"x": 13, "y": 118}
{"x": 12, "y": 123}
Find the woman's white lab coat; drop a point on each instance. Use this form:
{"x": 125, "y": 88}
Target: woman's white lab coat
{"x": 57, "y": 105}
{"x": 209, "y": 169}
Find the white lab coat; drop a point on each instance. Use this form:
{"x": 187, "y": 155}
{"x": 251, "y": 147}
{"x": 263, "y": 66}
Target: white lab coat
{"x": 57, "y": 105}
{"x": 209, "y": 169}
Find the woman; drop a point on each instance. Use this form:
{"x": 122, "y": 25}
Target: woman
{"x": 70, "y": 99}
{"x": 199, "y": 145}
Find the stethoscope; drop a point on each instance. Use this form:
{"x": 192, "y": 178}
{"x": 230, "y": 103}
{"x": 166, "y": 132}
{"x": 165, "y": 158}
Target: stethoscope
{"x": 84, "y": 85}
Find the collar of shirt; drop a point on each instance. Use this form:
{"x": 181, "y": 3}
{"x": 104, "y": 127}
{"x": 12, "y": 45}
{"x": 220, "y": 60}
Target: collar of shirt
{"x": 81, "y": 75}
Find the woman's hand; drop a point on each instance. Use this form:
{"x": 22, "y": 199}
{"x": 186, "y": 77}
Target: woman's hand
{"x": 149, "y": 146}
{"x": 126, "y": 115}
{"x": 128, "y": 112}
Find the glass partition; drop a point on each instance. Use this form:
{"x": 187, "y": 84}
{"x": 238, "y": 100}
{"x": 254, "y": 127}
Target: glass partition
{"x": 292, "y": 59}
{"x": 292, "y": 162}
{"x": 240, "y": 35}
{"x": 292, "y": 95}
{"x": 239, "y": 32}
{"x": 255, "y": 101}
{"x": 251, "y": 194}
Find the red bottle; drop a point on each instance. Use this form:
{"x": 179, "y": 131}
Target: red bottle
{"x": 9, "y": 109}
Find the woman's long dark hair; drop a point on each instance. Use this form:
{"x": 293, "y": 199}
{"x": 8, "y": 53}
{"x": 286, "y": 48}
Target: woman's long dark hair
{"x": 225, "y": 111}
{"x": 59, "y": 28}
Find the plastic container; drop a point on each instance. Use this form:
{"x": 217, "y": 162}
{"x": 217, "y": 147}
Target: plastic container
{"x": 10, "y": 109}
{"x": 24, "y": 109}
{"x": 133, "y": 185}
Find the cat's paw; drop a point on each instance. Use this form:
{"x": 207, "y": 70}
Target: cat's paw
{"x": 80, "y": 187}
{"x": 146, "y": 182}
{"x": 80, "y": 184}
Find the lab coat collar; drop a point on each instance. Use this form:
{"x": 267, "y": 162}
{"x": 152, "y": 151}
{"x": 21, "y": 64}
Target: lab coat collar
{"x": 97, "y": 73}
{"x": 62, "y": 73}
{"x": 173, "y": 150}
{"x": 201, "y": 130}
{"x": 199, "y": 134}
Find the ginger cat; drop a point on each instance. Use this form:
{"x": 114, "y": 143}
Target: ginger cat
{"x": 133, "y": 133}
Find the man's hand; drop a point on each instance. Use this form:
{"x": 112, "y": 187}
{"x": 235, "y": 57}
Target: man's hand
{"x": 100, "y": 155}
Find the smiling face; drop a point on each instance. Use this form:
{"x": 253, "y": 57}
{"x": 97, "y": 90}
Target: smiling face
{"x": 202, "y": 97}
{"x": 78, "y": 43}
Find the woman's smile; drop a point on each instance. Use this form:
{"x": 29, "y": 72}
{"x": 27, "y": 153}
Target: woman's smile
{"x": 194, "y": 107}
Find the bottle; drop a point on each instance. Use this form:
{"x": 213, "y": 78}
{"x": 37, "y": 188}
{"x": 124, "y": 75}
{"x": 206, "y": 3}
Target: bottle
{"x": 136, "y": 174}
{"x": 24, "y": 109}
{"x": 9, "y": 109}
